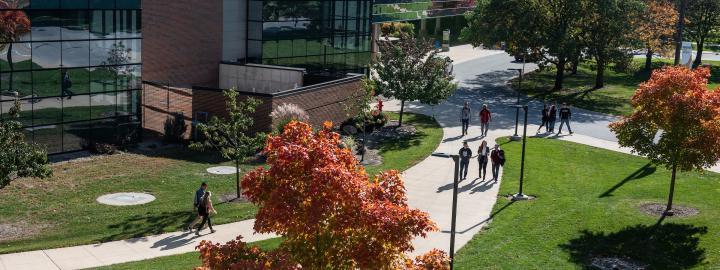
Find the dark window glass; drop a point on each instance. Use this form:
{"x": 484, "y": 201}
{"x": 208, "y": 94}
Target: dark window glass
{"x": 127, "y": 102}
{"x": 46, "y": 54}
{"x": 103, "y": 105}
{"x": 103, "y": 131}
{"x": 75, "y": 25}
{"x": 285, "y": 48}
{"x": 80, "y": 78}
{"x": 269, "y": 49}
{"x": 256, "y": 10}
{"x": 19, "y": 55}
{"x": 46, "y": 83}
{"x": 102, "y": 4}
{"x": 49, "y": 136}
{"x": 254, "y": 50}
{"x": 45, "y": 25}
{"x": 19, "y": 82}
{"x": 76, "y": 108}
{"x": 76, "y": 136}
{"x": 128, "y": 77}
{"x": 102, "y": 79}
{"x": 132, "y": 52}
{"x": 101, "y": 24}
{"x": 128, "y": 129}
{"x": 127, "y": 23}
{"x": 128, "y": 4}
{"x": 100, "y": 52}
{"x": 74, "y": 4}
{"x": 47, "y": 113}
{"x": 75, "y": 54}
{"x": 44, "y": 4}
{"x": 255, "y": 30}
{"x": 314, "y": 47}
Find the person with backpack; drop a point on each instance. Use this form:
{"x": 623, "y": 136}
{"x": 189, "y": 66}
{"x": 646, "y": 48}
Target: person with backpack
{"x": 498, "y": 159}
{"x": 465, "y": 153}
{"x": 544, "y": 116}
{"x": 206, "y": 208}
{"x": 552, "y": 117}
{"x": 197, "y": 198}
{"x": 483, "y": 157}
{"x": 565, "y": 116}
{"x": 465, "y": 118}
{"x": 485, "y": 118}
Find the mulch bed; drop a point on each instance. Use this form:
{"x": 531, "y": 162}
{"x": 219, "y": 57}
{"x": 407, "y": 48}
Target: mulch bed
{"x": 614, "y": 263}
{"x": 656, "y": 209}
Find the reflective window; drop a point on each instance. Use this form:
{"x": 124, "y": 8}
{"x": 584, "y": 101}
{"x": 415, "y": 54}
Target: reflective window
{"x": 46, "y": 54}
{"x": 75, "y": 25}
{"x": 102, "y": 4}
{"x": 127, "y": 23}
{"x": 101, "y": 24}
{"x": 76, "y": 136}
{"x": 49, "y": 136}
{"x": 15, "y": 56}
{"x": 45, "y": 25}
{"x": 74, "y": 4}
{"x": 76, "y": 108}
{"x": 46, "y": 83}
{"x": 79, "y": 79}
{"x": 75, "y": 54}
{"x": 47, "y": 111}
{"x": 103, "y": 105}
{"x": 102, "y": 79}
{"x": 44, "y": 4}
{"x": 128, "y": 4}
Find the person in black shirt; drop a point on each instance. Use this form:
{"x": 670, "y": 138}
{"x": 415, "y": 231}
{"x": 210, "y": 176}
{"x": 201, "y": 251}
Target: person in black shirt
{"x": 565, "y": 116}
{"x": 544, "y": 116}
{"x": 465, "y": 118}
{"x": 552, "y": 117}
{"x": 465, "y": 154}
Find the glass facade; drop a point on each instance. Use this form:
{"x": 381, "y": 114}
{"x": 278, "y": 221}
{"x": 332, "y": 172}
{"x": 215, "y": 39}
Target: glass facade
{"x": 321, "y": 36}
{"x": 405, "y": 10}
{"x": 76, "y": 67}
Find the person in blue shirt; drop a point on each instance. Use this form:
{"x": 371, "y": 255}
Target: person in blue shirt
{"x": 197, "y": 200}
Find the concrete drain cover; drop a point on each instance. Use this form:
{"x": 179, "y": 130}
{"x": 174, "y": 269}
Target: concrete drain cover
{"x": 125, "y": 198}
{"x": 221, "y": 170}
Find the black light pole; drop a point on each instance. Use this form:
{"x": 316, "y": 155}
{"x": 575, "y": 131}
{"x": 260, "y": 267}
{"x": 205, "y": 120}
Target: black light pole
{"x": 456, "y": 160}
{"x": 680, "y": 29}
{"x": 520, "y": 195}
{"x": 515, "y": 136}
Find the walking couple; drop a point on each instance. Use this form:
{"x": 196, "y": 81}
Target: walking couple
{"x": 497, "y": 156}
{"x": 549, "y": 116}
{"x": 203, "y": 206}
{"x": 485, "y": 118}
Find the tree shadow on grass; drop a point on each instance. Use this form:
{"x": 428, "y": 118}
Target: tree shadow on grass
{"x": 148, "y": 224}
{"x": 662, "y": 246}
{"x": 401, "y": 144}
{"x": 646, "y": 170}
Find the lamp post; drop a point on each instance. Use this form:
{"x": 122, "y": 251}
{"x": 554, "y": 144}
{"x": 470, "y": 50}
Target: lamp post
{"x": 515, "y": 136}
{"x": 455, "y": 159}
{"x": 520, "y": 195}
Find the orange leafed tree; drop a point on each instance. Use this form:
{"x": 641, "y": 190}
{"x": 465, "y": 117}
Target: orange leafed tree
{"x": 13, "y": 24}
{"x": 656, "y": 28}
{"x": 675, "y": 122}
{"x": 330, "y": 214}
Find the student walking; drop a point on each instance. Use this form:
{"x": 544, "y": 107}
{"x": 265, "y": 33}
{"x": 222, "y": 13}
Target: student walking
{"x": 465, "y": 154}
{"x": 565, "y": 116}
{"x": 197, "y": 199}
{"x": 465, "y": 117}
{"x": 498, "y": 159}
{"x": 552, "y": 117}
{"x": 544, "y": 115}
{"x": 206, "y": 208}
{"x": 65, "y": 85}
{"x": 483, "y": 156}
{"x": 485, "y": 118}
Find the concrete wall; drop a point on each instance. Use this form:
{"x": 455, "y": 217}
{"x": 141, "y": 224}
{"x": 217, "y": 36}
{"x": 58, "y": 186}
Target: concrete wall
{"x": 260, "y": 78}
{"x": 234, "y": 29}
{"x": 182, "y": 41}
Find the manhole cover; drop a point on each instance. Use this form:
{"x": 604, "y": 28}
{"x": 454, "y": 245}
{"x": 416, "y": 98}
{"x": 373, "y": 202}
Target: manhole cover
{"x": 221, "y": 170}
{"x": 125, "y": 198}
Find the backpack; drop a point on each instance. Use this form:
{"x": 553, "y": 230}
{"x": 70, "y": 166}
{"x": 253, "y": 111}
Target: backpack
{"x": 501, "y": 154}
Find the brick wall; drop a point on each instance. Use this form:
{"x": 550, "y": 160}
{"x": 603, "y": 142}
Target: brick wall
{"x": 156, "y": 109}
{"x": 324, "y": 102}
{"x": 182, "y": 41}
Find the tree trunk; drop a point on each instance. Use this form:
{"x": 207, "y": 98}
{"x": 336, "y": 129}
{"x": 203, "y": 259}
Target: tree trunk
{"x": 237, "y": 177}
{"x": 698, "y": 56}
{"x": 668, "y": 210}
{"x": 402, "y": 108}
{"x": 648, "y": 60}
{"x": 11, "y": 65}
{"x": 560, "y": 74}
{"x": 575, "y": 64}
{"x": 600, "y": 76}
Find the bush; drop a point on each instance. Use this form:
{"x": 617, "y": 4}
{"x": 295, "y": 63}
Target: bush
{"x": 374, "y": 119}
{"x": 102, "y": 149}
{"x": 175, "y": 128}
{"x": 347, "y": 142}
{"x": 286, "y": 112}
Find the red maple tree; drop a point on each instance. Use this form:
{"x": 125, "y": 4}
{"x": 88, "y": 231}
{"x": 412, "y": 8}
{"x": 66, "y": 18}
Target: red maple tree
{"x": 330, "y": 214}
{"x": 13, "y": 24}
{"x": 675, "y": 123}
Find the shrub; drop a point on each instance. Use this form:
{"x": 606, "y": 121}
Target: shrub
{"x": 102, "y": 148}
{"x": 175, "y": 128}
{"x": 286, "y": 112}
{"x": 348, "y": 142}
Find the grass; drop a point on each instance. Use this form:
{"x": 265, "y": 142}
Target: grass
{"x": 614, "y": 98}
{"x": 184, "y": 261}
{"x": 61, "y": 211}
{"x": 404, "y": 153}
{"x": 587, "y": 205}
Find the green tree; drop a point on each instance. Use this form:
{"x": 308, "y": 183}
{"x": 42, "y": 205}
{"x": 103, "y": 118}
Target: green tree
{"x": 409, "y": 69}
{"x": 703, "y": 18}
{"x": 548, "y": 29}
{"x": 19, "y": 158}
{"x": 232, "y": 136}
{"x": 607, "y": 29}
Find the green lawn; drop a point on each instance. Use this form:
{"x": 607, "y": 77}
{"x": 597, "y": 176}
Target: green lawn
{"x": 179, "y": 262}
{"x": 403, "y": 154}
{"x": 614, "y": 98}
{"x": 61, "y": 211}
{"x": 587, "y": 205}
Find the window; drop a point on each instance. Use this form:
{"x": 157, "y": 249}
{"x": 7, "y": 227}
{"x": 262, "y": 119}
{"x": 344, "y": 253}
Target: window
{"x": 46, "y": 54}
{"x": 45, "y": 25}
{"x": 75, "y": 25}
{"x": 44, "y": 4}
{"x": 74, "y": 4}
{"x": 127, "y": 23}
{"x": 46, "y": 83}
{"x": 19, "y": 56}
{"x": 75, "y": 54}
{"x": 101, "y": 24}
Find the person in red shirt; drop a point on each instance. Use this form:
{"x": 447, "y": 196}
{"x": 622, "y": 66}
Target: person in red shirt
{"x": 485, "y": 118}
